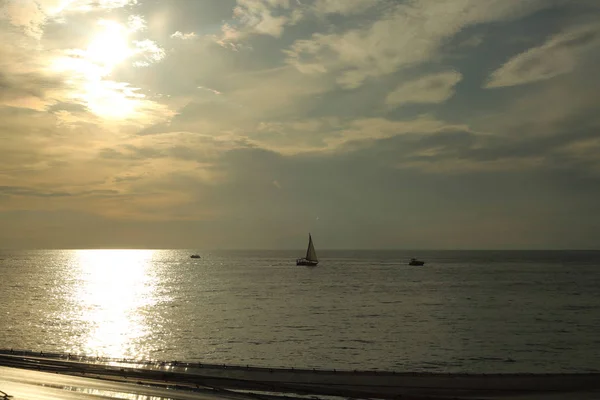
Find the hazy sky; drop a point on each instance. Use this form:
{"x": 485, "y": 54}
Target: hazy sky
{"x": 247, "y": 124}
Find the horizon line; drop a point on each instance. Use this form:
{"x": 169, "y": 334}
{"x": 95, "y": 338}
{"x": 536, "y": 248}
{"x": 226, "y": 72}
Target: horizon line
{"x": 286, "y": 249}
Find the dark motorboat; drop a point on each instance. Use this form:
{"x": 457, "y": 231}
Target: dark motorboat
{"x": 310, "y": 260}
{"x": 195, "y": 256}
{"x": 414, "y": 261}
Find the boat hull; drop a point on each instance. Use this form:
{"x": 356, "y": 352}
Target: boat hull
{"x": 307, "y": 263}
{"x": 418, "y": 263}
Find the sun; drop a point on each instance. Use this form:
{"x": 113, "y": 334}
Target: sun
{"x": 91, "y": 72}
{"x": 91, "y": 68}
{"x": 109, "y": 47}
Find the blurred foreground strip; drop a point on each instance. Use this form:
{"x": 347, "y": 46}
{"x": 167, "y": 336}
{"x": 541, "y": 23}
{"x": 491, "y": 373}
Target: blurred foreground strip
{"x": 28, "y": 375}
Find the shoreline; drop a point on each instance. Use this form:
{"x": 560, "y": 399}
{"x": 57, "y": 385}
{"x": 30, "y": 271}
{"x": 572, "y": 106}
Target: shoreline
{"x": 172, "y": 364}
{"x": 356, "y": 384}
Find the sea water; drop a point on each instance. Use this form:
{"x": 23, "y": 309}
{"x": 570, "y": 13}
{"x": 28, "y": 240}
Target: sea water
{"x": 469, "y": 311}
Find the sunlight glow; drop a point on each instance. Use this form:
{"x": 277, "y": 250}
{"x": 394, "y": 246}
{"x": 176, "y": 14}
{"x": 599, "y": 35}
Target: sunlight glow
{"x": 90, "y": 67}
{"x": 86, "y": 5}
{"x": 116, "y": 288}
{"x": 110, "y": 46}
{"x": 111, "y": 99}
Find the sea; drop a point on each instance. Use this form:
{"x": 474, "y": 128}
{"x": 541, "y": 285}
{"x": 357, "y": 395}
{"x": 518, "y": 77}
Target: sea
{"x": 463, "y": 311}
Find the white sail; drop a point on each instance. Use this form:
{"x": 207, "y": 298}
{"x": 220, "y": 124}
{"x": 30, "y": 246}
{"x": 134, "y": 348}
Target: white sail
{"x": 311, "y": 254}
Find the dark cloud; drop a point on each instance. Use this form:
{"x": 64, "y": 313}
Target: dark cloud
{"x": 131, "y": 152}
{"x": 23, "y": 191}
{"x": 18, "y": 85}
{"x": 361, "y": 201}
{"x": 202, "y": 16}
{"x": 29, "y": 192}
{"x": 581, "y": 39}
{"x": 126, "y": 178}
{"x": 66, "y": 106}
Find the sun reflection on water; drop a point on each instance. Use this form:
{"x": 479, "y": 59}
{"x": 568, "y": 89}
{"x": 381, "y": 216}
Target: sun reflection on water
{"x": 117, "y": 289}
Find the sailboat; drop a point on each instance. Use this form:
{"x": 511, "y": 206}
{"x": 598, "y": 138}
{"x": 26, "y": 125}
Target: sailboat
{"x": 311, "y": 255}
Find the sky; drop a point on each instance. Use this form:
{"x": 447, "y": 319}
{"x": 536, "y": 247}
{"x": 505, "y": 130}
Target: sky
{"x": 372, "y": 124}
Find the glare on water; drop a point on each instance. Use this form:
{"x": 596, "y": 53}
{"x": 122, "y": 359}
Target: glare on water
{"x": 115, "y": 288}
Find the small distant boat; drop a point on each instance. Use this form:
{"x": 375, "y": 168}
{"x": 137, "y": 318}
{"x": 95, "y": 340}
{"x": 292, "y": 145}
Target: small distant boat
{"x": 195, "y": 256}
{"x": 414, "y": 261}
{"x": 310, "y": 259}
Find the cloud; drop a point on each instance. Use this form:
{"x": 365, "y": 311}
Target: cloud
{"x": 24, "y": 14}
{"x": 69, "y": 107}
{"x": 434, "y": 88}
{"x": 32, "y": 15}
{"x": 136, "y": 23}
{"x": 270, "y": 17}
{"x": 472, "y": 41}
{"x": 558, "y": 106}
{"x": 114, "y": 181}
{"x": 257, "y": 16}
{"x": 25, "y": 81}
{"x": 406, "y": 35}
{"x": 28, "y": 192}
{"x": 84, "y": 5}
{"x": 214, "y": 91}
{"x": 29, "y": 90}
{"x": 343, "y": 7}
{"x": 148, "y": 123}
{"x": 330, "y": 135}
{"x": 559, "y": 55}
{"x": 148, "y": 51}
{"x": 85, "y": 71}
{"x": 229, "y": 38}
{"x": 246, "y": 99}
{"x": 184, "y": 36}
{"x": 371, "y": 129}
